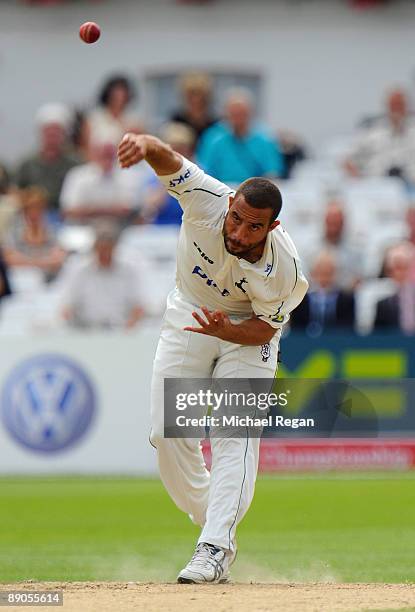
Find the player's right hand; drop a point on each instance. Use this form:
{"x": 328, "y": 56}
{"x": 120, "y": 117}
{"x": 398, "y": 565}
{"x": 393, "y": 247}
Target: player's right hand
{"x": 131, "y": 150}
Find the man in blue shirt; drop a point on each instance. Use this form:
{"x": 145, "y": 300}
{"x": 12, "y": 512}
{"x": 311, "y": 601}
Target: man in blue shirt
{"x": 235, "y": 149}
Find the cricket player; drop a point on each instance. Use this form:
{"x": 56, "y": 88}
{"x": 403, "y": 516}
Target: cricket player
{"x": 238, "y": 278}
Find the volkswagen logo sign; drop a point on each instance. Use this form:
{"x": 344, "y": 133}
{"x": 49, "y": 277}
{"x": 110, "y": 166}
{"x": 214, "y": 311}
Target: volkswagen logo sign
{"x": 47, "y": 403}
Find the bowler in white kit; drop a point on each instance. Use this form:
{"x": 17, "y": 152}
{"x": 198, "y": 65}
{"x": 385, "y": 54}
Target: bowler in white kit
{"x": 238, "y": 278}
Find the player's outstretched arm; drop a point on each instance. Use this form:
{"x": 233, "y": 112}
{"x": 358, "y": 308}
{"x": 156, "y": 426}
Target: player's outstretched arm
{"x": 134, "y": 148}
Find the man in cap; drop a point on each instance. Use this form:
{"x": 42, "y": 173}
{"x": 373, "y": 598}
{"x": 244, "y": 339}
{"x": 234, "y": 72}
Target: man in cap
{"x": 47, "y": 167}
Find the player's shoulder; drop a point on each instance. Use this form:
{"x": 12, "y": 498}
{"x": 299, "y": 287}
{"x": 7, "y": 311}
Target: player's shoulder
{"x": 283, "y": 242}
{"x": 288, "y": 267}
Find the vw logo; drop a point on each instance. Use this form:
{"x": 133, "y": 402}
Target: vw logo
{"x": 47, "y": 403}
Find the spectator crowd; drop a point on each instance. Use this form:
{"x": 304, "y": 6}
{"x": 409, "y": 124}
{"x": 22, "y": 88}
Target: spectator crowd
{"x": 67, "y": 211}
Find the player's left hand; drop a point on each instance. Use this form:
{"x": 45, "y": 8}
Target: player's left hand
{"x": 217, "y": 324}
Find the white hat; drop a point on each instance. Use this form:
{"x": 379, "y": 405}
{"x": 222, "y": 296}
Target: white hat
{"x": 53, "y": 113}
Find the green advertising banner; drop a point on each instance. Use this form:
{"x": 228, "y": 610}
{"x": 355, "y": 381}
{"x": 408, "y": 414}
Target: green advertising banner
{"x": 347, "y": 356}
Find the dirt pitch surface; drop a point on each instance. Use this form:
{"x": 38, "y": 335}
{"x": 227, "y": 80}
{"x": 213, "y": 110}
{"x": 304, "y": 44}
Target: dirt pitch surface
{"x": 287, "y": 597}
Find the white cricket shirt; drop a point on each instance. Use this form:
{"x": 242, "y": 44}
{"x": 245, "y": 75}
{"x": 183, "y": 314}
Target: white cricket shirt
{"x": 207, "y": 275}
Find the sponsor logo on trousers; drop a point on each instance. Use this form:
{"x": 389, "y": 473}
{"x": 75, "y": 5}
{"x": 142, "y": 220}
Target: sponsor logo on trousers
{"x": 265, "y": 351}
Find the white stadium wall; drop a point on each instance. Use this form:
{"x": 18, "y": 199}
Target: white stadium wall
{"x": 324, "y": 65}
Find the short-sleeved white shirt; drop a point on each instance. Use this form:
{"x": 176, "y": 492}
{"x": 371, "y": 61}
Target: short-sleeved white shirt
{"x": 103, "y": 297}
{"x": 87, "y": 186}
{"x": 379, "y": 148}
{"x": 208, "y": 275}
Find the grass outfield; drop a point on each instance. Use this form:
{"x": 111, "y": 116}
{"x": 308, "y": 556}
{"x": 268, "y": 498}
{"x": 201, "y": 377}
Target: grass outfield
{"x": 348, "y": 528}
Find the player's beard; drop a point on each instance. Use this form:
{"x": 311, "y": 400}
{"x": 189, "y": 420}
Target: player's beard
{"x": 241, "y": 251}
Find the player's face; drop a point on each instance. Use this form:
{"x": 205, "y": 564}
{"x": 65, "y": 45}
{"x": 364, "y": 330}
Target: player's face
{"x": 245, "y": 228}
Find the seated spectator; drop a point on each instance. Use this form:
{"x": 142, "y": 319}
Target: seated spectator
{"x": 386, "y": 147}
{"x": 410, "y": 224}
{"x": 4, "y": 180}
{"x": 161, "y": 208}
{"x": 410, "y": 235}
{"x": 49, "y": 165}
{"x": 236, "y": 149}
{"x": 80, "y": 134}
{"x": 8, "y": 202}
{"x": 103, "y": 292}
{"x": 5, "y": 289}
{"x": 196, "y": 90}
{"x": 31, "y": 241}
{"x": 292, "y": 151}
{"x": 101, "y": 188}
{"x": 397, "y": 312}
{"x": 335, "y": 237}
{"x": 111, "y": 119}
{"x": 326, "y": 306}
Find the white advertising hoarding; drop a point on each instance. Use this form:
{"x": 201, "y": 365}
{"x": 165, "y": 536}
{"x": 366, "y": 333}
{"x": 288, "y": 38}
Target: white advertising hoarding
{"x": 77, "y": 403}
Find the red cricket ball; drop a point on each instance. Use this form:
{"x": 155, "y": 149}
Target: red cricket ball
{"x": 90, "y": 32}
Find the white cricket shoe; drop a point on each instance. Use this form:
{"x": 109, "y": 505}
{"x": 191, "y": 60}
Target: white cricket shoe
{"x": 208, "y": 564}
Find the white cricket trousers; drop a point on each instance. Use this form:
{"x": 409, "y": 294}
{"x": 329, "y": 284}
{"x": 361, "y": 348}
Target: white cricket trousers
{"x": 217, "y": 501}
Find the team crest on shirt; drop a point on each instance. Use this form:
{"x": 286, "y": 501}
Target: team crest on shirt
{"x": 265, "y": 351}
{"x": 240, "y": 284}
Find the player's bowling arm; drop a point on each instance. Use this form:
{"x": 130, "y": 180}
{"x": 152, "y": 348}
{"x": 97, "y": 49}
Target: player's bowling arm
{"x": 159, "y": 155}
